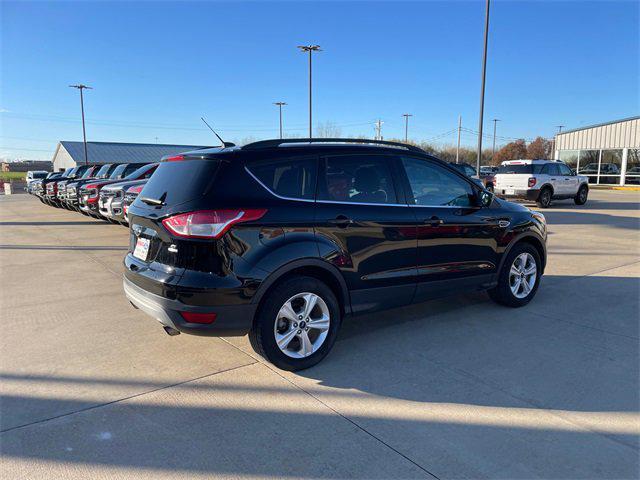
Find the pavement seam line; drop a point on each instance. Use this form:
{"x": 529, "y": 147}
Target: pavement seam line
{"x": 355, "y": 424}
{"x": 99, "y": 405}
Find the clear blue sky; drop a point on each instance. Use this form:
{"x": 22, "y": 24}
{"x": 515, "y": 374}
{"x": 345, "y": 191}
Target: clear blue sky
{"x": 156, "y": 67}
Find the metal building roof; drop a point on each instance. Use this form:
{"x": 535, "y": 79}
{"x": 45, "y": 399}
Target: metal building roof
{"x": 112, "y": 152}
{"x": 587, "y": 127}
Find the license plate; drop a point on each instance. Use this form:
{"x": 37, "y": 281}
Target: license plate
{"x": 142, "y": 248}
{"x": 509, "y": 191}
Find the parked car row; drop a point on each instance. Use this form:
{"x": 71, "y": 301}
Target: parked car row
{"x": 100, "y": 191}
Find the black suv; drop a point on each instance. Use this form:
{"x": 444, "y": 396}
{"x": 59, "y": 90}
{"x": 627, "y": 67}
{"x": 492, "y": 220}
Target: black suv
{"x": 282, "y": 239}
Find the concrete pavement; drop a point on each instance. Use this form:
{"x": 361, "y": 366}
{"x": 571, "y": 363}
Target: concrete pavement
{"x": 455, "y": 388}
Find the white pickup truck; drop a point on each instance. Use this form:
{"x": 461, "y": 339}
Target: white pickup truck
{"x": 540, "y": 181}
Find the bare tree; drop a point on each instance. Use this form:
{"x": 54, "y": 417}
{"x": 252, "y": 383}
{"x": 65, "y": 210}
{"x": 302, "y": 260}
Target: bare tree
{"x": 328, "y": 130}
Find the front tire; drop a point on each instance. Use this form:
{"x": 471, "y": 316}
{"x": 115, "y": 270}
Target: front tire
{"x": 544, "y": 199}
{"x": 519, "y": 277}
{"x": 297, "y": 324}
{"x": 582, "y": 195}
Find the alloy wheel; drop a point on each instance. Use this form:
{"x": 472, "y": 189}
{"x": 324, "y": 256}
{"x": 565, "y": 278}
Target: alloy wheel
{"x": 523, "y": 275}
{"x": 302, "y": 325}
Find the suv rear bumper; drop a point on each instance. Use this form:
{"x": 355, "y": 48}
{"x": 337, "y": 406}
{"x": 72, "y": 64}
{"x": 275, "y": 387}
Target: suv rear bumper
{"x": 231, "y": 320}
{"x": 528, "y": 194}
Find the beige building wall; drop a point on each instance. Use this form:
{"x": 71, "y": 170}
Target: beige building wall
{"x": 624, "y": 134}
{"x": 62, "y": 160}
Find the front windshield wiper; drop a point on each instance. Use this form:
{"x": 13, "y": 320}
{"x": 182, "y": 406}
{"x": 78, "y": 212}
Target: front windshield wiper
{"x": 159, "y": 202}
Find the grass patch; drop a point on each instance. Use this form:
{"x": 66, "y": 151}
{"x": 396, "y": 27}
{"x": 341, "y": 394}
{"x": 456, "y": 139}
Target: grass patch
{"x": 12, "y": 176}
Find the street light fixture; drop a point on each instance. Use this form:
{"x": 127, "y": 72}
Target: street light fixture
{"x": 280, "y": 105}
{"x": 406, "y": 126}
{"x": 310, "y": 49}
{"x": 84, "y": 132}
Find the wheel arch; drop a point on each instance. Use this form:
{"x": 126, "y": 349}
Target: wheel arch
{"x": 532, "y": 240}
{"x": 310, "y": 267}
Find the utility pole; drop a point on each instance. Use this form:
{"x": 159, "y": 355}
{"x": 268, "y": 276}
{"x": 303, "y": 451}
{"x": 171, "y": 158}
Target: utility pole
{"x": 484, "y": 76}
{"x": 459, "y": 130}
{"x": 310, "y": 49}
{"x": 84, "y": 131}
{"x": 495, "y": 122}
{"x": 559, "y": 128}
{"x": 378, "y": 128}
{"x": 406, "y": 126}
{"x": 280, "y": 105}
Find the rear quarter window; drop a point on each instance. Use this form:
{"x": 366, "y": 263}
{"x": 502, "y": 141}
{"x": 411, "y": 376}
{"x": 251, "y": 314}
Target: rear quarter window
{"x": 291, "y": 178}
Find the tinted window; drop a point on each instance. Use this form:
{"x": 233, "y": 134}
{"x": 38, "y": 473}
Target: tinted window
{"x": 521, "y": 168}
{"x": 357, "y": 179}
{"x": 293, "y": 178}
{"x": 564, "y": 170}
{"x": 39, "y": 175}
{"x": 433, "y": 185}
{"x": 551, "y": 169}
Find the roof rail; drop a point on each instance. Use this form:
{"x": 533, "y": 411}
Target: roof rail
{"x": 277, "y": 142}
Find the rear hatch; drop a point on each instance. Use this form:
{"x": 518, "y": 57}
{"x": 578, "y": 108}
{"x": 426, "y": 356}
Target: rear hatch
{"x": 515, "y": 177}
{"x": 156, "y": 256}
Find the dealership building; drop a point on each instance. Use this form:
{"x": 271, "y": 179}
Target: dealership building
{"x": 608, "y": 153}
{"x": 70, "y": 154}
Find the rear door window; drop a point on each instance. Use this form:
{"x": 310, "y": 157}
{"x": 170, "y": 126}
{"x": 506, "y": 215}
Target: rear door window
{"x": 291, "y": 178}
{"x": 357, "y": 179}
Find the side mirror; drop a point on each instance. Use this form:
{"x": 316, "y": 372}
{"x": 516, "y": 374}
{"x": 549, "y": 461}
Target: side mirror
{"x": 485, "y": 198}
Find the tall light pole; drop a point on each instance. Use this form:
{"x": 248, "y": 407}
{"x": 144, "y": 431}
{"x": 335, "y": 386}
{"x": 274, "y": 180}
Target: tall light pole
{"x": 84, "y": 132}
{"x": 310, "y": 49}
{"x": 406, "y": 126}
{"x": 484, "y": 76}
{"x": 280, "y": 105}
{"x": 495, "y": 122}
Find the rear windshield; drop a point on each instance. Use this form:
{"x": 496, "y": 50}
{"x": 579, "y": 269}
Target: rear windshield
{"x": 526, "y": 168}
{"x": 182, "y": 181}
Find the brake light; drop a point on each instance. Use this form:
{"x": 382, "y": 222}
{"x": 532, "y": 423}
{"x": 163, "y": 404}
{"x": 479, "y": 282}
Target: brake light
{"x": 137, "y": 189}
{"x": 210, "y": 224}
{"x": 193, "y": 317}
{"x": 532, "y": 181}
{"x": 173, "y": 158}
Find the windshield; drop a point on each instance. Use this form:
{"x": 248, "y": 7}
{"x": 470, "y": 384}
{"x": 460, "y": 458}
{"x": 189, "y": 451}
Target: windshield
{"x": 68, "y": 171}
{"x": 88, "y": 173}
{"x": 118, "y": 171}
{"x": 104, "y": 169}
{"x": 39, "y": 175}
{"x": 528, "y": 168}
{"x": 142, "y": 172}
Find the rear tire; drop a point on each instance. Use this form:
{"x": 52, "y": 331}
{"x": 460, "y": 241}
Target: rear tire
{"x": 544, "y": 198}
{"x": 581, "y": 196}
{"x": 303, "y": 345}
{"x": 513, "y": 289}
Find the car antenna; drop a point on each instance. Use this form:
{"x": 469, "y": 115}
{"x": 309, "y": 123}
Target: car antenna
{"x": 224, "y": 144}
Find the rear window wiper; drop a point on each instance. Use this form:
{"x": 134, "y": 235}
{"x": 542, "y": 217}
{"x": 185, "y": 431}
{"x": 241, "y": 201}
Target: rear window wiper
{"x": 159, "y": 202}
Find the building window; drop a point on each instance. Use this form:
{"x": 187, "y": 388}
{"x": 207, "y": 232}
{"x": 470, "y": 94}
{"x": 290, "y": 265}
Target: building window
{"x": 589, "y": 164}
{"x": 633, "y": 167}
{"x": 570, "y": 157}
{"x": 610, "y": 166}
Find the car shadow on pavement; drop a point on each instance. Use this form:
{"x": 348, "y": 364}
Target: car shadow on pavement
{"x": 584, "y": 217}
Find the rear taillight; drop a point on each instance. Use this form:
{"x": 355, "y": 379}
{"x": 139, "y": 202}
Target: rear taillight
{"x": 532, "y": 182}
{"x": 210, "y": 224}
{"x": 193, "y": 317}
{"x": 173, "y": 158}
